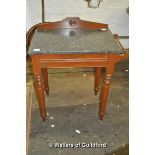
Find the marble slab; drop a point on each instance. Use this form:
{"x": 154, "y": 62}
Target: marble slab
{"x": 73, "y": 41}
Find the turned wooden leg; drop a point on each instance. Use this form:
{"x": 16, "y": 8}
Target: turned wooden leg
{"x": 41, "y": 97}
{"x": 97, "y": 79}
{"x": 105, "y": 90}
{"x": 39, "y": 86}
{"x": 45, "y": 79}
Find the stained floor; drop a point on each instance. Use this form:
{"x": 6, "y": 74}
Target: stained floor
{"x": 73, "y": 116}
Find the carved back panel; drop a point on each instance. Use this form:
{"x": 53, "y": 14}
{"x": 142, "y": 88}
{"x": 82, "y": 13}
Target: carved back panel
{"x": 72, "y": 22}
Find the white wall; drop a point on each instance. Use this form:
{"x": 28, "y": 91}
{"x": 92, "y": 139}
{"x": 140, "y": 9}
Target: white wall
{"x": 112, "y": 12}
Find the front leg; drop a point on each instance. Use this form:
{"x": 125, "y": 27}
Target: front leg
{"x": 105, "y": 90}
{"x": 41, "y": 97}
{"x": 39, "y": 86}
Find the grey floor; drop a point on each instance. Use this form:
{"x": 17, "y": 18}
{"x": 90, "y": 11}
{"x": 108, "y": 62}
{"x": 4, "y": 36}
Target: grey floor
{"x": 73, "y": 115}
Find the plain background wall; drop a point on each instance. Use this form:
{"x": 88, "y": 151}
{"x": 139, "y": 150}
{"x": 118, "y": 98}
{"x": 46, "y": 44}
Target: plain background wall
{"x": 112, "y": 12}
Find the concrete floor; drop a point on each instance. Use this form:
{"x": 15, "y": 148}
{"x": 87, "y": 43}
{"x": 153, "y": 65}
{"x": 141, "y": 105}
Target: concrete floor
{"x": 73, "y": 106}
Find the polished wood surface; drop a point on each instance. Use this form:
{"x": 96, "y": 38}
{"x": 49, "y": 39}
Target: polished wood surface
{"x": 39, "y": 85}
{"x": 41, "y": 62}
{"x": 72, "y": 22}
{"x": 45, "y": 80}
{"x": 97, "y": 79}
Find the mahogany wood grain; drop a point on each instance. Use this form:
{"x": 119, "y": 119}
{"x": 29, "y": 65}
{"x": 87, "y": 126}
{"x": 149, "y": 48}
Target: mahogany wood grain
{"x": 45, "y": 79}
{"x": 73, "y": 60}
{"x": 41, "y": 62}
{"x": 97, "y": 79}
{"x": 105, "y": 89}
{"x": 39, "y": 86}
{"x": 73, "y": 56}
{"x": 73, "y": 63}
{"x": 72, "y": 22}
{"x": 65, "y": 61}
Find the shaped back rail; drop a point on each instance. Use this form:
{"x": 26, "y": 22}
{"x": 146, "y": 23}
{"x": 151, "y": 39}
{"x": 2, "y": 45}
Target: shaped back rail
{"x": 72, "y": 22}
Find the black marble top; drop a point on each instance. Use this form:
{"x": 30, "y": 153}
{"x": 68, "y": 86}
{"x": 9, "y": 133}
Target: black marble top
{"x": 70, "y": 41}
